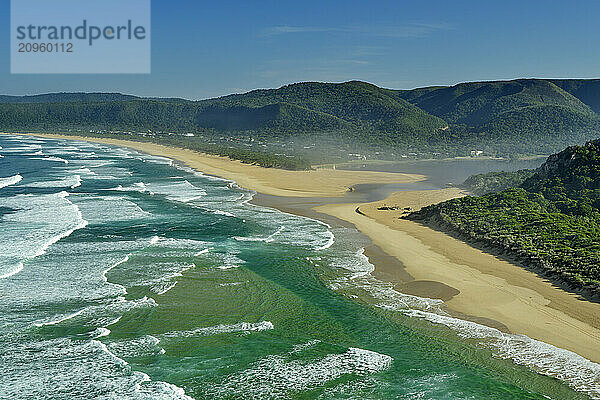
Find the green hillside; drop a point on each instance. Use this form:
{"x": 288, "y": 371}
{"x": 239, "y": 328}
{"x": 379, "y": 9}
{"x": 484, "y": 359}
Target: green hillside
{"x": 525, "y": 116}
{"x": 126, "y": 115}
{"x": 66, "y": 97}
{"x": 586, "y": 90}
{"x": 526, "y": 112}
{"x": 551, "y": 222}
{"x": 354, "y": 111}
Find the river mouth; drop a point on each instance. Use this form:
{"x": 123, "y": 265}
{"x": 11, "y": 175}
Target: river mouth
{"x": 165, "y": 283}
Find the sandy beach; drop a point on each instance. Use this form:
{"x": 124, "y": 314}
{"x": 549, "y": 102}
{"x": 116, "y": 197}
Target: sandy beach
{"x": 272, "y": 181}
{"x": 426, "y": 262}
{"x": 474, "y": 283}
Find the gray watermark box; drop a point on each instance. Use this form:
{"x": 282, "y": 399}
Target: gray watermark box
{"x": 80, "y": 37}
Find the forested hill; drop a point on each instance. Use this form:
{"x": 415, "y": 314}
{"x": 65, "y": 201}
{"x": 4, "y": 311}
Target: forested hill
{"x": 550, "y": 222}
{"x": 523, "y": 116}
{"x": 353, "y": 111}
{"x": 526, "y": 112}
{"x": 67, "y": 98}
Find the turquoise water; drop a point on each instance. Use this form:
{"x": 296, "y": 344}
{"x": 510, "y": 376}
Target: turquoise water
{"x": 124, "y": 276}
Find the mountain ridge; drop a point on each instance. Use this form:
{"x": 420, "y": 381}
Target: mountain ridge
{"x": 499, "y": 117}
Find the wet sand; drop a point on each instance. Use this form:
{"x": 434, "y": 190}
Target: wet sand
{"x": 417, "y": 259}
{"x": 272, "y": 181}
{"x": 475, "y": 283}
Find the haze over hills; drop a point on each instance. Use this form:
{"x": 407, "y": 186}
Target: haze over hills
{"x": 527, "y": 112}
{"x": 522, "y": 116}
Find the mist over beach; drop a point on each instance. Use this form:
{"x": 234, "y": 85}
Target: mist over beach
{"x": 299, "y": 200}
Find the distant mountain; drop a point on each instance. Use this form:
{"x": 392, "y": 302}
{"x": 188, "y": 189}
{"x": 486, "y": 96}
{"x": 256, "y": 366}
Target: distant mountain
{"x": 352, "y": 111}
{"x": 523, "y": 111}
{"x": 362, "y": 106}
{"x": 551, "y": 221}
{"x": 67, "y": 98}
{"x": 504, "y": 117}
{"x": 586, "y": 90}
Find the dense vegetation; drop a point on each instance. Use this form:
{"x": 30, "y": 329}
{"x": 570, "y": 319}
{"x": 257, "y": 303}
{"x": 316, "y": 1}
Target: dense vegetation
{"x": 353, "y": 111}
{"x": 200, "y": 144}
{"x": 526, "y": 116}
{"x": 551, "y": 221}
{"x": 495, "y": 181}
{"x": 586, "y": 90}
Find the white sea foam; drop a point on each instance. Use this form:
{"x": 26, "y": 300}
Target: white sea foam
{"x": 581, "y": 374}
{"x": 13, "y": 271}
{"x": 162, "y": 391}
{"x": 104, "y": 315}
{"x": 23, "y": 149}
{"x": 100, "y": 332}
{"x": 104, "y": 348}
{"x": 244, "y": 327}
{"x": 72, "y": 182}
{"x": 77, "y": 183}
{"x": 329, "y": 243}
{"x": 122, "y": 288}
{"x": 136, "y": 187}
{"x": 176, "y": 243}
{"x": 11, "y": 180}
{"x": 67, "y": 363}
{"x": 162, "y": 289}
{"x": 111, "y": 208}
{"x": 266, "y": 239}
{"x": 107, "y": 270}
{"x": 80, "y": 224}
{"x": 36, "y": 224}
{"x": 202, "y": 252}
{"x": 82, "y": 171}
{"x": 183, "y": 191}
{"x": 60, "y": 319}
{"x": 229, "y": 261}
{"x": 231, "y": 284}
{"x": 51, "y": 158}
{"x": 100, "y": 164}
{"x": 277, "y": 376}
{"x": 142, "y": 346}
{"x": 354, "y": 268}
{"x": 158, "y": 160}
{"x": 298, "y": 348}
{"x": 114, "y": 321}
{"x": 221, "y": 212}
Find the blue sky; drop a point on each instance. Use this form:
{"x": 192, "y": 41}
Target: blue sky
{"x": 203, "y": 49}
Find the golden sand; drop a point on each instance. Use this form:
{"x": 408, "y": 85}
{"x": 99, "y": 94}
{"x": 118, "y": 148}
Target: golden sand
{"x": 272, "y": 181}
{"x": 471, "y": 281}
{"x": 489, "y": 287}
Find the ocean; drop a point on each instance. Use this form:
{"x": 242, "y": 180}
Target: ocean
{"x": 128, "y": 276}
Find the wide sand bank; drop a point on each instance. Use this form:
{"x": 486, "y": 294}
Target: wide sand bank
{"x": 423, "y": 261}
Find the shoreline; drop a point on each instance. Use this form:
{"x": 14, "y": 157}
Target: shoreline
{"x": 485, "y": 285}
{"x": 418, "y": 260}
{"x": 271, "y": 181}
